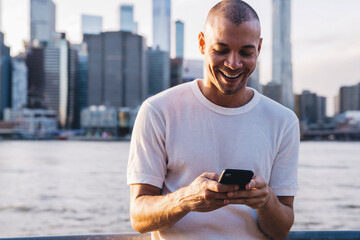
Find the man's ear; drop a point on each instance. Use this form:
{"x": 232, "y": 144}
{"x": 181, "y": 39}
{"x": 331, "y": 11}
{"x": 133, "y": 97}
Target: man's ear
{"x": 259, "y": 47}
{"x": 201, "y": 39}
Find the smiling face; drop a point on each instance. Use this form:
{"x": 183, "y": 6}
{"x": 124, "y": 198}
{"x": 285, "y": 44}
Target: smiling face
{"x": 230, "y": 53}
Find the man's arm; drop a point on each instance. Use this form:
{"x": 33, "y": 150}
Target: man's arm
{"x": 275, "y": 214}
{"x": 151, "y": 211}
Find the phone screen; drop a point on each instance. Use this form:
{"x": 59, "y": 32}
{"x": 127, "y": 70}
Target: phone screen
{"x": 236, "y": 176}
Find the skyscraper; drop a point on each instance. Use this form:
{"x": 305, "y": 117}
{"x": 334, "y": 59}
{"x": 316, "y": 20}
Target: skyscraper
{"x": 127, "y": 22}
{"x": 281, "y": 52}
{"x": 116, "y": 69}
{"x": 161, "y": 24}
{"x": 1, "y": 15}
{"x": 312, "y": 108}
{"x": 59, "y": 76}
{"x": 158, "y": 70}
{"x": 91, "y": 24}
{"x": 19, "y": 83}
{"x": 52, "y": 72}
{"x": 349, "y": 97}
{"x": 42, "y": 20}
{"x": 5, "y": 76}
{"x": 179, "y": 25}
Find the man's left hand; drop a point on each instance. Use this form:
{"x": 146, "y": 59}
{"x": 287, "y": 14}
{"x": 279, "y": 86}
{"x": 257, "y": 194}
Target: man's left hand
{"x": 256, "y": 195}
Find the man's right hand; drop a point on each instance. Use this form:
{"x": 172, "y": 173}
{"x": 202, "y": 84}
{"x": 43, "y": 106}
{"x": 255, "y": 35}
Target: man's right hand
{"x": 151, "y": 211}
{"x": 205, "y": 194}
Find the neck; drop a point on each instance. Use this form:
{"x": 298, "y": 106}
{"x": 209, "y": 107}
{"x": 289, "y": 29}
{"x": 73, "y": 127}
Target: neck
{"x": 240, "y": 98}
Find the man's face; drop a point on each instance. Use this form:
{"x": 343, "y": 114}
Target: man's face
{"x": 230, "y": 53}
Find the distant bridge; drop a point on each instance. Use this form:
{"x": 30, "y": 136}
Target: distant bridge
{"x": 337, "y": 134}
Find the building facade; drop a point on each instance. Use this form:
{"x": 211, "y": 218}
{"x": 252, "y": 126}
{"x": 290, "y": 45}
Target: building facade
{"x": 5, "y": 76}
{"x": 117, "y": 69}
{"x": 281, "y": 51}
{"x": 52, "y": 73}
{"x": 273, "y": 90}
{"x": 91, "y": 24}
{"x": 127, "y": 22}
{"x": 349, "y": 98}
{"x": 179, "y": 39}
{"x": 42, "y": 20}
{"x": 161, "y": 24}
{"x": 312, "y": 108}
{"x": 158, "y": 70}
{"x": 19, "y": 83}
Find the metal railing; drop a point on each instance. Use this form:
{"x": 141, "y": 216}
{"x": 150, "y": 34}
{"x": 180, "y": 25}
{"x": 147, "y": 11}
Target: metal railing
{"x": 294, "y": 235}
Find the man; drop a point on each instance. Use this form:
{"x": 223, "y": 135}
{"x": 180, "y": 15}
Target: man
{"x": 184, "y": 136}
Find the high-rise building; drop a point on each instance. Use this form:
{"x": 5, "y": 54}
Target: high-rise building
{"x": 5, "y": 76}
{"x": 311, "y": 108}
{"x": 161, "y": 24}
{"x": 349, "y": 98}
{"x": 52, "y": 73}
{"x": 1, "y": 16}
{"x": 19, "y": 83}
{"x": 81, "y": 91}
{"x": 158, "y": 70}
{"x": 179, "y": 38}
{"x": 91, "y": 24}
{"x": 273, "y": 90}
{"x": 59, "y": 86}
{"x": 281, "y": 51}
{"x": 42, "y": 20}
{"x": 35, "y": 65}
{"x": 117, "y": 69}
{"x": 127, "y": 22}
{"x": 176, "y": 71}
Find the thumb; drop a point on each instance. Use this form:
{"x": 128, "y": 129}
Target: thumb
{"x": 211, "y": 176}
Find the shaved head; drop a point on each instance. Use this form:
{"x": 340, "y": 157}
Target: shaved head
{"x": 236, "y": 11}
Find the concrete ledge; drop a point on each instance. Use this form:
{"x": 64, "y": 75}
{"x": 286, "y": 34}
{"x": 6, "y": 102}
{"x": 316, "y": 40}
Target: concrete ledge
{"x": 323, "y": 235}
{"x": 294, "y": 235}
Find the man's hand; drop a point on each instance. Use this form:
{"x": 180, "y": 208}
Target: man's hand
{"x": 275, "y": 214}
{"x": 256, "y": 195}
{"x": 205, "y": 194}
{"x": 151, "y": 211}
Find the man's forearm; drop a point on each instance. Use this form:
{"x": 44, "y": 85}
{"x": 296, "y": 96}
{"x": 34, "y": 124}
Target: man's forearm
{"x": 153, "y": 213}
{"x": 276, "y": 218}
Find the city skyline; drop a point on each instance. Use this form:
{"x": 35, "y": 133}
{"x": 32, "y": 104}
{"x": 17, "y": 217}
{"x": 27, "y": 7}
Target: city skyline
{"x": 325, "y": 46}
{"x": 281, "y": 51}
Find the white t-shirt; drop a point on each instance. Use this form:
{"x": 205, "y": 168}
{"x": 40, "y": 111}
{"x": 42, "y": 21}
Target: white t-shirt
{"x": 179, "y": 134}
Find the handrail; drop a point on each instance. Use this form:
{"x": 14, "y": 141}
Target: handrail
{"x": 294, "y": 235}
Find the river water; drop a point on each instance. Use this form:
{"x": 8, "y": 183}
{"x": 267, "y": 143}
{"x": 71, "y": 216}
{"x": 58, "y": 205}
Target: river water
{"x": 78, "y": 187}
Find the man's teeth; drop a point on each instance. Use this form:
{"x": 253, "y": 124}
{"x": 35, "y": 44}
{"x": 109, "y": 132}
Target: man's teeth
{"x": 231, "y": 76}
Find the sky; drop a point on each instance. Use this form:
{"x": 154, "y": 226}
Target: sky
{"x": 325, "y": 34}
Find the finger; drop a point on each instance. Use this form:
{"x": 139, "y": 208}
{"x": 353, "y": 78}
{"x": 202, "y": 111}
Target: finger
{"x": 211, "y": 176}
{"x": 252, "y": 193}
{"x": 256, "y": 183}
{"x": 218, "y": 187}
{"x": 251, "y": 202}
{"x": 215, "y": 195}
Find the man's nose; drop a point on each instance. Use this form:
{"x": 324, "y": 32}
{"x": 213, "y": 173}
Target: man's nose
{"x": 233, "y": 61}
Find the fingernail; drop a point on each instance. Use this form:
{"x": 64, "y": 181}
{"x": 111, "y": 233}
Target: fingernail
{"x": 237, "y": 187}
{"x": 226, "y": 202}
{"x": 231, "y": 194}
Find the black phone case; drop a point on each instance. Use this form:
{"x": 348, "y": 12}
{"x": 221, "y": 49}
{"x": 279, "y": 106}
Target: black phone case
{"x": 236, "y": 176}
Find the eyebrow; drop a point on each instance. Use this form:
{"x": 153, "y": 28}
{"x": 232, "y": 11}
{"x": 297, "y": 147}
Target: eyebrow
{"x": 225, "y": 45}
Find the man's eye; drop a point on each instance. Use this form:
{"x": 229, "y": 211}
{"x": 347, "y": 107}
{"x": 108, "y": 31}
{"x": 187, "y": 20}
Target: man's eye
{"x": 246, "y": 54}
{"x": 221, "y": 51}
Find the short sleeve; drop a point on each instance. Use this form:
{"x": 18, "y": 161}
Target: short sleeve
{"x": 147, "y": 157}
{"x": 284, "y": 174}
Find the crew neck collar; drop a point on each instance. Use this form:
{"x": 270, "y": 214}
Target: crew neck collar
{"x": 224, "y": 110}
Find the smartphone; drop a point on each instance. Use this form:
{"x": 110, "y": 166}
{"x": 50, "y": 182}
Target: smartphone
{"x": 236, "y": 176}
